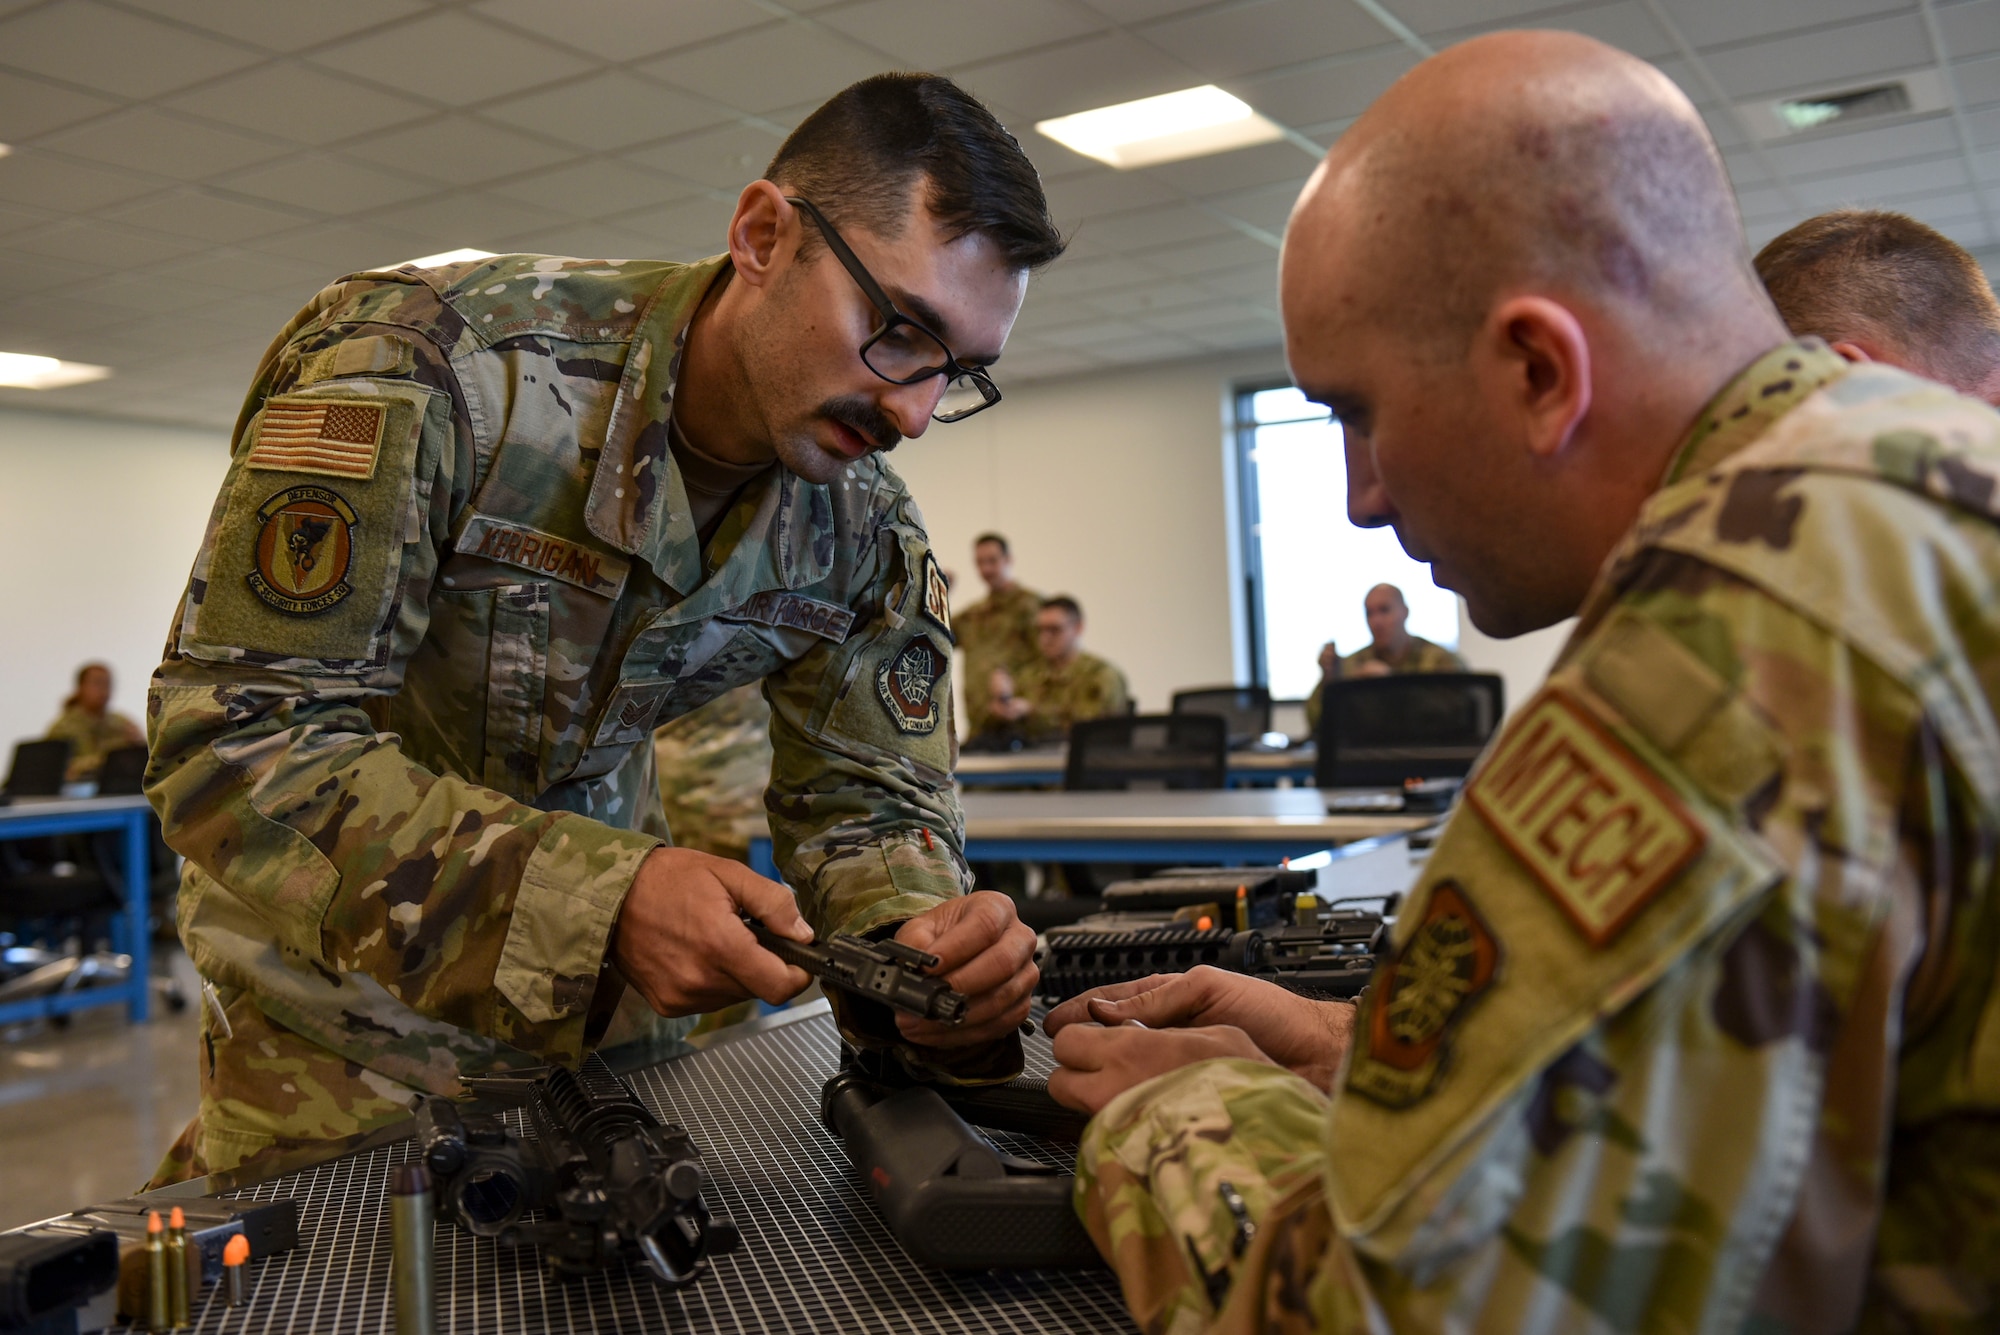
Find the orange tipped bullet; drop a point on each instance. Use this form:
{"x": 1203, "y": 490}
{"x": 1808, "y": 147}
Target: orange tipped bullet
{"x": 177, "y": 1270}
{"x": 234, "y": 1253}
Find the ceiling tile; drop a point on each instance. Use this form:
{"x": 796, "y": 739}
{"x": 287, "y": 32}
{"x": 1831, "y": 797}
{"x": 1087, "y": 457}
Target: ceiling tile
{"x": 726, "y": 158}
{"x": 691, "y": 228}
{"x": 326, "y": 184}
{"x": 592, "y": 239}
{"x": 1142, "y": 228}
{"x": 299, "y": 103}
{"x": 1978, "y": 81}
{"x": 1431, "y": 16}
{"x": 148, "y": 140}
{"x": 283, "y": 27}
{"x": 89, "y": 241}
{"x": 1162, "y": 295}
{"x": 1970, "y": 30}
{"x": 30, "y": 177}
{"x": 1198, "y": 257}
{"x": 240, "y": 270}
{"x": 1267, "y": 164}
{"x": 620, "y": 30}
{"x": 205, "y": 217}
{"x": 1138, "y": 348}
{"x": 1859, "y": 148}
{"x": 1079, "y": 276}
{"x": 1144, "y": 11}
{"x": 768, "y": 67}
{"x": 21, "y": 274}
{"x": 464, "y": 218}
{"x": 29, "y": 107}
{"x": 1099, "y": 190}
{"x": 14, "y": 218}
{"x": 1311, "y": 96}
{"x": 1625, "y": 25}
{"x": 940, "y": 34}
{"x": 336, "y": 249}
{"x": 1265, "y": 206}
{"x": 593, "y": 189}
{"x": 608, "y": 111}
{"x": 1255, "y": 282}
{"x": 456, "y": 149}
{"x": 1822, "y": 59}
{"x": 151, "y": 294}
{"x": 113, "y": 51}
{"x": 50, "y": 318}
{"x": 1247, "y": 38}
{"x": 1716, "y": 22}
{"x": 1869, "y": 187}
{"x": 483, "y": 61}
{"x": 1093, "y": 72}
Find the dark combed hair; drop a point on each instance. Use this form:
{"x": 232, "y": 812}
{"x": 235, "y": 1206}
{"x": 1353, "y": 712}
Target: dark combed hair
{"x": 995, "y": 539}
{"x": 1065, "y": 604}
{"x": 859, "y": 156}
{"x": 1869, "y": 275}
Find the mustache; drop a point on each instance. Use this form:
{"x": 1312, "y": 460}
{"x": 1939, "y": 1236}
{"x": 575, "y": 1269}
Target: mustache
{"x": 862, "y": 417}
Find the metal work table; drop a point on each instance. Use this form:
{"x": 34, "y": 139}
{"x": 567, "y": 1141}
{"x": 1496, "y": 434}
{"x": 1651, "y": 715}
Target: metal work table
{"x": 31, "y": 818}
{"x": 1043, "y": 766}
{"x": 1248, "y": 825}
{"x": 815, "y": 1254}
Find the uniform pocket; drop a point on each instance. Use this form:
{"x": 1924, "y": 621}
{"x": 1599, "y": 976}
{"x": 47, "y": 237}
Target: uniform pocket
{"x": 517, "y": 669}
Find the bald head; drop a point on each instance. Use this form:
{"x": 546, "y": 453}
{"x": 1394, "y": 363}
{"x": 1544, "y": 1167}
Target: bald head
{"x": 1481, "y": 279}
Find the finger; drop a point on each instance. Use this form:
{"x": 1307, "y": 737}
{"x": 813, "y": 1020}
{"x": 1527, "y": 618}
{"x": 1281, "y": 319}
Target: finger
{"x": 992, "y": 1015}
{"x": 1084, "y": 1047}
{"x": 1106, "y": 1014}
{"x": 960, "y": 929}
{"x": 1078, "y": 1007}
{"x": 1179, "y": 1000}
{"x": 1001, "y": 962}
{"x": 769, "y": 902}
{"x": 1078, "y": 1089}
{"x": 755, "y": 970}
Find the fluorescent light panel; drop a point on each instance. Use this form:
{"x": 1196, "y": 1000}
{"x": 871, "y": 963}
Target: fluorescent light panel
{"x": 21, "y": 370}
{"x": 443, "y": 257}
{"x": 1189, "y": 124}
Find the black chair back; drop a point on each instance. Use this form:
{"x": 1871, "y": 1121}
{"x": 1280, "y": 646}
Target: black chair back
{"x": 37, "y": 769}
{"x": 1246, "y": 709}
{"x": 124, "y": 772}
{"x": 1375, "y": 732}
{"x": 1148, "y": 751}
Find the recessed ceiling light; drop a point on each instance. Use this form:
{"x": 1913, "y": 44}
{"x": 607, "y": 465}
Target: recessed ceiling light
{"x": 443, "y": 257}
{"x": 5, "y": 149}
{"x": 1188, "y": 124}
{"x": 21, "y": 370}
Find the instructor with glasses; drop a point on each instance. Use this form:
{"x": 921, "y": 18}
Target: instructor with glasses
{"x": 486, "y": 526}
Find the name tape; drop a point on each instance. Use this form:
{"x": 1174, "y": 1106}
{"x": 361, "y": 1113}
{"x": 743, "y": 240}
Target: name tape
{"x": 545, "y": 554}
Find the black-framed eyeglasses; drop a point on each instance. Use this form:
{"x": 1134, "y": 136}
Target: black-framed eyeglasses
{"x": 902, "y": 350}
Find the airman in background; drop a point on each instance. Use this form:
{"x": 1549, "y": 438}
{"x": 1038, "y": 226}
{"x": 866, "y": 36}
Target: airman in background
{"x": 1063, "y": 684}
{"x": 714, "y": 765}
{"x": 1391, "y": 649}
{"x": 995, "y": 633}
{"x": 90, "y": 726}
{"x": 1691, "y": 1021}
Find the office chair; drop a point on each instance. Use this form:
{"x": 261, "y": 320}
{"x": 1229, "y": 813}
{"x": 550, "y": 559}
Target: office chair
{"x": 123, "y": 773}
{"x": 1376, "y": 732}
{"x": 37, "y": 769}
{"x": 1140, "y": 751}
{"x": 1246, "y": 709}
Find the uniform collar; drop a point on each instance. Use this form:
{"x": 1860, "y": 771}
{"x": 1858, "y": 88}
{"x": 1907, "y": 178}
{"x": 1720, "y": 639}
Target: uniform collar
{"x": 1747, "y": 406}
{"x": 637, "y": 502}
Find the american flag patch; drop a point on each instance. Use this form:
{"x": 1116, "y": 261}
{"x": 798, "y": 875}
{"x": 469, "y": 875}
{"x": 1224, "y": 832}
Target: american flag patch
{"x": 336, "y": 437}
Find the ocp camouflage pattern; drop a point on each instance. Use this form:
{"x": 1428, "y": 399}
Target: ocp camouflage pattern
{"x": 998, "y": 631}
{"x": 1769, "y": 1100}
{"x": 714, "y": 765}
{"x": 411, "y": 815}
{"x": 1422, "y": 656}
{"x": 1086, "y": 687}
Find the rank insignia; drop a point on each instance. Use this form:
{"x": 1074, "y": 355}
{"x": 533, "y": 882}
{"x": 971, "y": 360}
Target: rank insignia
{"x": 937, "y": 594}
{"x": 1419, "y": 997}
{"x": 1599, "y": 832}
{"x": 304, "y": 550}
{"x": 907, "y": 684}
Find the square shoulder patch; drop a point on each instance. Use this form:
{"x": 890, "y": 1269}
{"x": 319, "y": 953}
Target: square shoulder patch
{"x": 937, "y": 594}
{"x": 326, "y": 435}
{"x": 1599, "y": 831}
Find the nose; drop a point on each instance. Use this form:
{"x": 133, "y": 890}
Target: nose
{"x": 912, "y": 405}
{"x": 1368, "y": 503}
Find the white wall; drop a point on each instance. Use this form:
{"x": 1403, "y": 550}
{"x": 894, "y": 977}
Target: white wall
{"x": 1522, "y": 661}
{"x": 99, "y": 522}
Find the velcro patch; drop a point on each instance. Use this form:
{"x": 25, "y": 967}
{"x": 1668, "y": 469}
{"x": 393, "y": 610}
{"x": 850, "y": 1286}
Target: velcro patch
{"x": 907, "y": 684}
{"x": 1599, "y": 831}
{"x": 628, "y": 715}
{"x": 545, "y": 554}
{"x": 1417, "y": 998}
{"x": 305, "y": 547}
{"x": 304, "y": 433}
{"x": 794, "y": 611}
{"x": 937, "y": 594}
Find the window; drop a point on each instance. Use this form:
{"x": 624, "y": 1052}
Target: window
{"x": 1306, "y": 568}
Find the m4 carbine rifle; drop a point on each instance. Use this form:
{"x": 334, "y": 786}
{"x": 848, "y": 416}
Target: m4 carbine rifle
{"x": 885, "y": 971}
{"x": 612, "y": 1181}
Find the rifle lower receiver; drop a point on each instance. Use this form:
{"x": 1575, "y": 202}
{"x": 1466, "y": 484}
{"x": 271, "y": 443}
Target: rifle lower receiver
{"x": 885, "y": 971}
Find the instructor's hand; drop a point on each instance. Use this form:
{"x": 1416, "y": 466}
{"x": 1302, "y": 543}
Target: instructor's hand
{"x": 1307, "y": 1037}
{"x": 680, "y": 942}
{"x": 988, "y": 954}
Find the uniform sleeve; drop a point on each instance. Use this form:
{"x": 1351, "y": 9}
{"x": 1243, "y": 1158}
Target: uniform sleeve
{"x": 308, "y": 599}
{"x": 1631, "y": 1061}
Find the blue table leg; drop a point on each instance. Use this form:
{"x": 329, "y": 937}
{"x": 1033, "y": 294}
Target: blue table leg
{"x": 138, "y": 885}
{"x": 764, "y": 858}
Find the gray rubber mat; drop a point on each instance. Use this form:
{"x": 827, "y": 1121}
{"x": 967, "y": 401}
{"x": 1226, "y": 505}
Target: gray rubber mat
{"x": 815, "y": 1255}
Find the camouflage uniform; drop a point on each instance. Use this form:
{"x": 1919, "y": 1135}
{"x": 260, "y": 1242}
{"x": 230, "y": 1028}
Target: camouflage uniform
{"x": 1086, "y": 687}
{"x": 1691, "y": 1022}
{"x": 1421, "y": 656}
{"x": 996, "y": 632}
{"x": 403, "y": 729}
{"x": 714, "y": 766}
{"x": 91, "y": 737}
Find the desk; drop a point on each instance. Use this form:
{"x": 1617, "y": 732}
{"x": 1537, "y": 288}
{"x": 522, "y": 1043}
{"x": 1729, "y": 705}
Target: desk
{"x": 31, "y": 818}
{"x": 1043, "y": 765}
{"x": 1249, "y": 825}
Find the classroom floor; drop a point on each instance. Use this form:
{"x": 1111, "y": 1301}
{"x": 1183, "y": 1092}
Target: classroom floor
{"x": 86, "y": 1113}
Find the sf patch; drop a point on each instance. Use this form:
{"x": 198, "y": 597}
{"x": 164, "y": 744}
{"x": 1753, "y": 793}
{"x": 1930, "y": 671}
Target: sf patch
{"x": 908, "y": 683}
{"x": 305, "y": 546}
{"x": 1600, "y": 832}
{"x": 937, "y": 594}
{"x": 1419, "y": 997}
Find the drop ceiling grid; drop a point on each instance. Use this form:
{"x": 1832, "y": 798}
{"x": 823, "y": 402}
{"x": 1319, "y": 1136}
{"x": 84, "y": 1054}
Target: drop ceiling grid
{"x": 188, "y": 171}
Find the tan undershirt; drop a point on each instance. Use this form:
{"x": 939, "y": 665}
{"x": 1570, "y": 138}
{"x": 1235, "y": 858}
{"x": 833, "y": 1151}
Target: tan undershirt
{"x": 711, "y": 483}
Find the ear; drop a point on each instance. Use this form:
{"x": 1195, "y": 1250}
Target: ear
{"x": 1853, "y": 352}
{"x": 1544, "y": 356}
{"x": 763, "y": 233}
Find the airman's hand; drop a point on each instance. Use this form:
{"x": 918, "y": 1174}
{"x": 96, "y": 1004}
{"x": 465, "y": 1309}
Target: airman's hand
{"x": 987, "y": 953}
{"x": 681, "y": 943}
{"x": 1099, "y": 1062}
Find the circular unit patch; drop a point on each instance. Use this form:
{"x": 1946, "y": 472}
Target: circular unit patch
{"x": 907, "y": 684}
{"x": 304, "y": 550}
